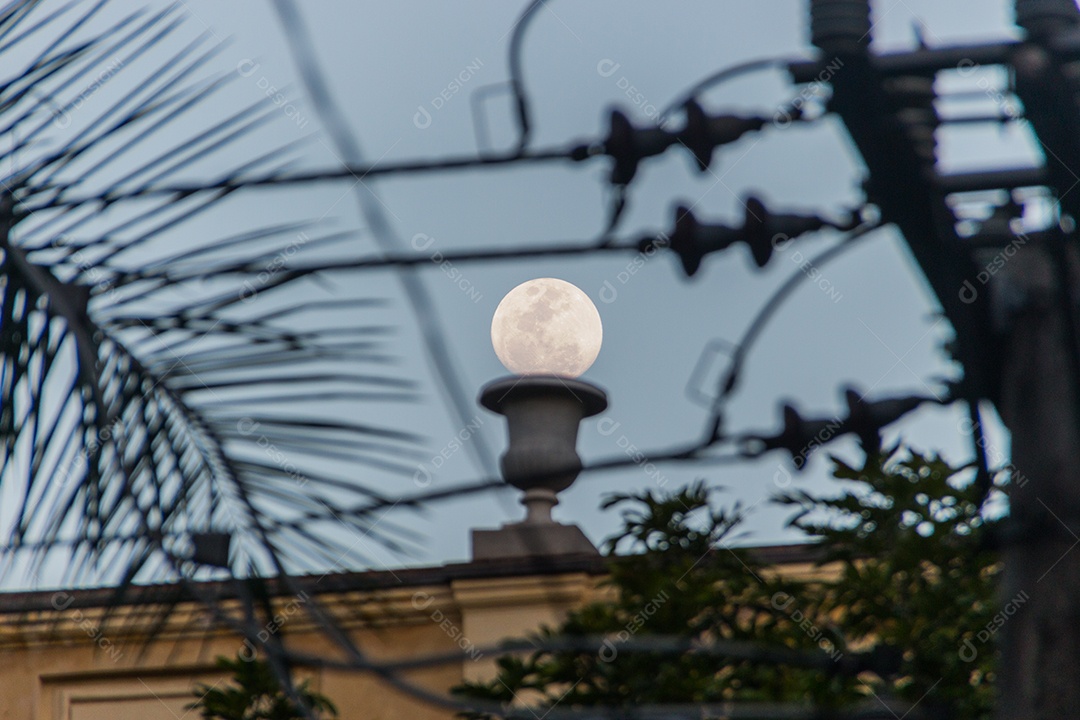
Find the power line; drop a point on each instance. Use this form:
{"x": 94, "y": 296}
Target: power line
{"x": 424, "y": 312}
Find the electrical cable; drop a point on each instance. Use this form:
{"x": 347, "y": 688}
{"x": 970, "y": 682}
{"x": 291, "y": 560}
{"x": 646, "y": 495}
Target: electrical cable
{"x": 517, "y": 80}
{"x": 729, "y": 380}
{"x": 353, "y": 172}
{"x": 438, "y": 349}
{"x": 729, "y": 73}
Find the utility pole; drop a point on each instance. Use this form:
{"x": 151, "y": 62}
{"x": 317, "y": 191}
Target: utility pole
{"x": 1040, "y": 646}
{"x": 1040, "y": 397}
{"x": 1016, "y": 327}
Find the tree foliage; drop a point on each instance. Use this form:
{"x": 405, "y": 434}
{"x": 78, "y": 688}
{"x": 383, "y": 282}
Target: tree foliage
{"x": 256, "y": 694}
{"x": 165, "y": 369}
{"x": 904, "y": 573}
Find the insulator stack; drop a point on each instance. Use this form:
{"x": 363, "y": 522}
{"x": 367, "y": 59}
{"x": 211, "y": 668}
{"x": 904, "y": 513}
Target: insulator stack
{"x": 841, "y": 26}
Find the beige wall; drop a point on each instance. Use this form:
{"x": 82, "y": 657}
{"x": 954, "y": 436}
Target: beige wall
{"x": 60, "y": 664}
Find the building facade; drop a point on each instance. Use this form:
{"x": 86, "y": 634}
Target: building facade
{"x": 91, "y": 655}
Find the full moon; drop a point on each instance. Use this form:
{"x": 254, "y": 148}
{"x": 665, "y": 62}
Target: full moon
{"x": 546, "y": 326}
